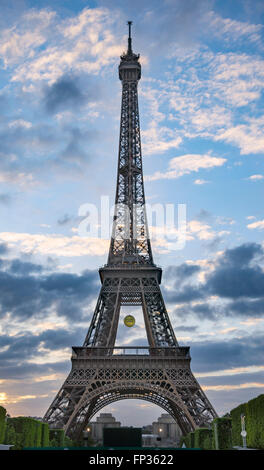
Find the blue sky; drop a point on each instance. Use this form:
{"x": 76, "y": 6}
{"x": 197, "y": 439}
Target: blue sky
{"x": 201, "y": 114}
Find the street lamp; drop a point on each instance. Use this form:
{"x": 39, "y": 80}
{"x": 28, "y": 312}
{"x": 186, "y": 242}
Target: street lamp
{"x": 243, "y": 432}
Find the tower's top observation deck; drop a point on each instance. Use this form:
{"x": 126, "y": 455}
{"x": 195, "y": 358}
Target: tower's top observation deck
{"x": 129, "y": 68}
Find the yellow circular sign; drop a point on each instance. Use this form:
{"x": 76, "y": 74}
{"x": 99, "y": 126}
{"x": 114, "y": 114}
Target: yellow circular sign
{"x": 129, "y": 320}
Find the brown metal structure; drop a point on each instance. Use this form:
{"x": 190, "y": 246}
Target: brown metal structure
{"x": 102, "y": 373}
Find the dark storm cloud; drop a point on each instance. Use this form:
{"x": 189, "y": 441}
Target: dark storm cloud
{"x": 25, "y": 291}
{"x": 5, "y": 198}
{"x": 203, "y": 311}
{"x": 237, "y": 352}
{"x": 18, "y": 267}
{"x": 3, "y": 248}
{"x": 22, "y": 348}
{"x": 26, "y": 344}
{"x": 70, "y": 92}
{"x": 185, "y": 328}
{"x": 63, "y": 94}
{"x": 21, "y": 138}
{"x": 74, "y": 152}
{"x": 181, "y": 272}
{"x": 234, "y": 277}
{"x": 14, "y": 370}
{"x": 242, "y": 255}
{"x": 247, "y": 307}
{"x": 238, "y": 278}
{"x": 187, "y": 294}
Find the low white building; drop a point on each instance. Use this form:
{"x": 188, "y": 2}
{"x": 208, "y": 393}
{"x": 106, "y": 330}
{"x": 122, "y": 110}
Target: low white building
{"x": 104, "y": 420}
{"x": 167, "y": 429}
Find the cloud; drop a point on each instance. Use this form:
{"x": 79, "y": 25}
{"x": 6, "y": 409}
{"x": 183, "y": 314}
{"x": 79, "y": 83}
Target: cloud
{"x": 20, "y": 123}
{"x": 235, "y": 277}
{"x": 18, "y": 267}
{"x": 259, "y": 225}
{"x": 232, "y": 353}
{"x": 3, "y": 248}
{"x": 232, "y": 285}
{"x": 247, "y": 137}
{"x": 200, "y": 182}
{"x": 56, "y": 244}
{"x": 185, "y": 164}
{"x": 25, "y": 36}
{"x": 230, "y": 29}
{"x": 83, "y": 43}
{"x": 182, "y": 272}
{"x": 255, "y": 177}
{"x": 63, "y": 94}
{"x": 26, "y": 291}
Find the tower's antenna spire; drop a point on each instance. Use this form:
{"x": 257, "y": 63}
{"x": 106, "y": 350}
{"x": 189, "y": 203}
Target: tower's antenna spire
{"x": 129, "y": 50}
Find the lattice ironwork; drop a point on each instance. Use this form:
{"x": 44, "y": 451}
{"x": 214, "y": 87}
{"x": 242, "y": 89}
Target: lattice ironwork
{"x": 99, "y": 377}
{"x": 161, "y": 373}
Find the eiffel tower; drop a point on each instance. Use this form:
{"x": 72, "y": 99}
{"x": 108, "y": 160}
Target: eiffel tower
{"x": 102, "y": 373}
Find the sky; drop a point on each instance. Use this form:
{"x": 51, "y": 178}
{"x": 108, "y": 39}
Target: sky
{"x": 201, "y": 114}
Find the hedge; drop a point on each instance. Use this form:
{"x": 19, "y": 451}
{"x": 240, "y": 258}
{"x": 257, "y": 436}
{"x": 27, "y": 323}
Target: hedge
{"x": 255, "y": 422}
{"x": 203, "y": 438}
{"x": 57, "y": 437}
{"x": 10, "y": 434}
{"x": 28, "y": 432}
{"x": 2, "y": 424}
{"x": 236, "y": 423}
{"x": 222, "y": 433}
{"x": 44, "y": 435}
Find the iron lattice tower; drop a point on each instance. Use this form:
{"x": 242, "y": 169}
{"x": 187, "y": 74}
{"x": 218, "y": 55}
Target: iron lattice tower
{"x": 102, "y": 373}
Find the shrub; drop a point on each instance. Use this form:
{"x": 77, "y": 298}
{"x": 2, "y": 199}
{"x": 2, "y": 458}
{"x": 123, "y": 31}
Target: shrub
{"x": 208, "y": 441}
{"x": 27, "y": 430}
{"x": 38, "y": 434}
{"x": 236, "y": 423}
{"x": 57, "y": 437}
{"x": 255, "y": 422}
{"x": 10, "y": 434}
{"x": 203, "y": 438}
{"x": 222, "y": 433}
{"x": 44, "y": 435}
{"x": 2, "y": 423}
{"x": 192, "y": 439}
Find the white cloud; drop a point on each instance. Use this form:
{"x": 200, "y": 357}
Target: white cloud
{"x": 199, "y": 182}
{"x": 259, "y": 224}
{"x": 248, "y": 137}
{"x": 84, "y": 43}
{"x": 231, "y": 29}
{"x": 25, "y": 180}
{"x": 203, "y": 231}
{"x": 255, "y": 177}
{"x": 20, "y": 123}
{"x": 56, "y": 244}
{"x": 157, "y": 138}
{"x": 227, "y": 388}
{"x": 185, "y": 164}
{"x": 23, "y": 38}
{"x": 229, "y": 372}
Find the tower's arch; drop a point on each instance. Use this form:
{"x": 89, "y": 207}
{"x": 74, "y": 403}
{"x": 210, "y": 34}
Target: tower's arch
{"x": 92, "y": 403}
